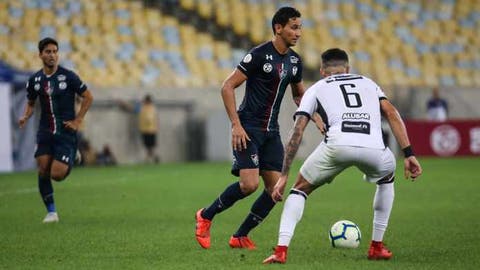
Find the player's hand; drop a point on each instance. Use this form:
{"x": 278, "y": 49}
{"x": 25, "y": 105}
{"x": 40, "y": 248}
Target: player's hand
{"x": 279, "y": 188}
{"x": 412, "y": 168}
{"x": 72, "y": 124}
{"x": 239, "y": 137}
{"x": 22, "y": 121}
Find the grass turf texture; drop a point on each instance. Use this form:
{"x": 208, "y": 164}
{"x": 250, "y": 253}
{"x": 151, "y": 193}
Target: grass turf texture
{"x": 142, "y": 217}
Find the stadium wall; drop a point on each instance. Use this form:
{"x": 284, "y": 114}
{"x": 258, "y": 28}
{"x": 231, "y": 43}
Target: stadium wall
{"x": 193, "y": 124}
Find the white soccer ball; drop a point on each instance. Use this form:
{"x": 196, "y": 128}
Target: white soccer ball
{"x": 345, "y": 234}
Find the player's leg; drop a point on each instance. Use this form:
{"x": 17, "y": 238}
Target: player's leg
{"x": 317, "y": 170}
{"x": 44, "y": 158}
{"x": 246, "y": 167}
{"x": 380, "y": 169}
{"x": 270, "y": 156}
{"x": 65, "y": 150}
{"x": 45, "y": 186}
{"x": 59, "y": 170}
{"x": 258, "y": 212}
{"x": 247, "y": 184}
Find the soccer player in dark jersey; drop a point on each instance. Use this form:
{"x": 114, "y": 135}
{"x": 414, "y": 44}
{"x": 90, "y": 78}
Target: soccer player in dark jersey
{"x": 56, "y": 88}
{"x": 257, "y": 148}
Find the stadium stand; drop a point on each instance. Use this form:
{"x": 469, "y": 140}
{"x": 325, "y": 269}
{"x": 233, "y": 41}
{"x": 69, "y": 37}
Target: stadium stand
{"x": 403, "y": 43}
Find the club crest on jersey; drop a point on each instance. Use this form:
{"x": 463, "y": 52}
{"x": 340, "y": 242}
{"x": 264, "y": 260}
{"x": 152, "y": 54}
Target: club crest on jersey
{"x": 247, "y": 58}
{"x": 267, "y": 67}
{"x": 61, "y": 77}
{"x": 36, "y": 87}
{"x": 294, "y": 70}
{"x": 293, "y": 59}
{"x": 62, "y": 85}
{"x": 254, "y": 159}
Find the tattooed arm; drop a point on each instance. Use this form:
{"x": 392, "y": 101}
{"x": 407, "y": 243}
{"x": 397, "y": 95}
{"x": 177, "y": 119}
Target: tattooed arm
{"x": 291, "y": 150}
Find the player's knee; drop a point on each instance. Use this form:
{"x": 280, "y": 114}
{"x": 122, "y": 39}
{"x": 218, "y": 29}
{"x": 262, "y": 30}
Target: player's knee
{"x": 248, "y": 187}
{"x": 43, "y": 170}
{"x": 58, "y": 175}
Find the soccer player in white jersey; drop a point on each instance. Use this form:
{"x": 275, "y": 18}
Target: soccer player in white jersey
{"x": 351, "y": 107}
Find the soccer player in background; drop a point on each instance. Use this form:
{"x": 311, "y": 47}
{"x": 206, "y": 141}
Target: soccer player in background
{"x": 56, "y": 88}
{"x": 350, "y": 106}
{"x": 257, "y": 148}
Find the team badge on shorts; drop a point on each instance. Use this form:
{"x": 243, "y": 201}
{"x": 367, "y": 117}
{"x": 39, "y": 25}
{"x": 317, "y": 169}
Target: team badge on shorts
{"x": 254, "y": 159}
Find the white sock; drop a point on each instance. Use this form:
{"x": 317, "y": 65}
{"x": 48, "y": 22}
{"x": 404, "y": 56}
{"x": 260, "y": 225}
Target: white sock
{"x": 291, "y": 215}
{"x": 382, "y": 206}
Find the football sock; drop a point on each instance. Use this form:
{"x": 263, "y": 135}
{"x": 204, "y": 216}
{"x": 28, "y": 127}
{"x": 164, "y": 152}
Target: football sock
{"x": 291, "y": 215}
{"x": 382, "y": 206}
{"x": 231, "y": 194}
{"x": 259, "y": 211}
{"x": 46, "y": 191}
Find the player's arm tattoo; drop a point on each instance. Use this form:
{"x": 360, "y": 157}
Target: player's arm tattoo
{"x": 294, "y": 142}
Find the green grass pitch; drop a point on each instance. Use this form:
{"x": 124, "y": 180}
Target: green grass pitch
{"x": 142, "y": 217}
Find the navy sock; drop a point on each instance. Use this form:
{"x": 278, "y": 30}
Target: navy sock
{"x": 46, "y": 191}
{"x": 260, "y": 209}
{"x": 231, "y": 194}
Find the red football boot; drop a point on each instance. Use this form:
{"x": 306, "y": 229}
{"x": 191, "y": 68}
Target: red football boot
{"x": 378, "y": 251}
{"x": 279, "y": 256}
{"x": 241, "y": 242}
{"x": 202, "y": 229}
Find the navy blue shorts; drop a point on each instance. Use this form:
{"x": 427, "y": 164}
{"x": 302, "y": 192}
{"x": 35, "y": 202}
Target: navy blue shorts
{"x": 62, "y": 147}
{"x": 264, "y": 151}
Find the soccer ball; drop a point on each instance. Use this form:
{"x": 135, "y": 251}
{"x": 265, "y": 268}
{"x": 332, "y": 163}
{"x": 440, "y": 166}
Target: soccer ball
{"x": 345, "y": 234}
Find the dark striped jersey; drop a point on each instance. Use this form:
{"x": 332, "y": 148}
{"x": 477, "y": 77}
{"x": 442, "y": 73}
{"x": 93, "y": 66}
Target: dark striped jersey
{"x": 57, "y": 97}
{"x": 269, "y": 73}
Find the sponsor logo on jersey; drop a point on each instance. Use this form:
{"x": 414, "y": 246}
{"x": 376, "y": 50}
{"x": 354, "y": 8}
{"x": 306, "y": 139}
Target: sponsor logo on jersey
{"x": 293, "y": 59}
{"x": 247, "y": 58}
{"x": 269, "y": 57}
{"x": 445, "y": 140}
{"x": 356, "y": 127}
{"x": 61, "y": 77}
{"x": 62, "y": 85}
{"x": 38, "y": 78}
{"x": 36, "y": 87}
{"x": 267, "y": 67}
{"x": 254, "y": 159}
{"x": 294, "y": 70}
{"x": 355, "y": 116}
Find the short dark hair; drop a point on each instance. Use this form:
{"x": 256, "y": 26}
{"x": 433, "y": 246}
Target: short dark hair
{"x": 44, "y": 42}
{"x": 283, "y": 15}
{"x": 334, "y": 57}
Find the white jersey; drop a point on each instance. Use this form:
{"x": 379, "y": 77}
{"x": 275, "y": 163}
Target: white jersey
{"x": 349, "y": 105}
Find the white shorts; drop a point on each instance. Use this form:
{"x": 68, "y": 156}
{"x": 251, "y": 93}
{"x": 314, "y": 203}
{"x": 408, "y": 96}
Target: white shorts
{"x": 327, "y": 161}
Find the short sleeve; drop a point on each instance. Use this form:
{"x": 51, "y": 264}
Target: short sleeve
{"x": 249, "y": 64}
{"x": 76, "y": 83}
{"x": 309, "y": 103}
{"x": 31, "y": 92}
{"x": 380, "y": 93}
